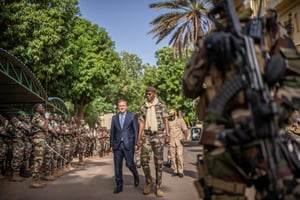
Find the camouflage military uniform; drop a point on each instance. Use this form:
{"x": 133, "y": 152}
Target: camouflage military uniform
{"x": 69, "y": 142}
{"x": 58, "y": 147}
{"x": 101, "y": 142}
{"x": 72, "y": 136}
{"x": 3, "y": 145}
{"x": 39, "y": 131}
{"x": 137, "y": 158}
{"x": 227, "y": 169}
{"x": 153, "y": 142}
{"x": 25, "y": 171}
{"x": 106, "y": 142}
{"x": 48, "y": 163}
{"x": 18, "y": 146}
{"x": 81, "y": 142}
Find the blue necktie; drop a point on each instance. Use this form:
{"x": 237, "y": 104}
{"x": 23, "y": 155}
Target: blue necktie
{"x": 122, "y": 121}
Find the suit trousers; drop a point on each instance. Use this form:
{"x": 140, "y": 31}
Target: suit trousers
{"x": 119, "y": 155}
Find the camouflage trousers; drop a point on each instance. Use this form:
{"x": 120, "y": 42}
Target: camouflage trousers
{"x": 101, "y": 147}
{"x": 137, "y": 157}
{"x": 57, "y": 160}
{"x": 68, "y": 151}
{"x": 106, "y": 145}
{"x": 18, "y": 147}
{"x": 73, "y": 150}
{"x": 152, "y": 144}
{"x": 27, "y": 153}
{"x": 39, "y": 147}
{"x": 48, "y": 157}
{"x": 3, "y": 152}
{"x": 81, "y": 150}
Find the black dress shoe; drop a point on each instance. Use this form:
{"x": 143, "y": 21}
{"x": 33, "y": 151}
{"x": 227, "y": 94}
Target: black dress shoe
{"x": 180, "y": 175}
{"x": 118, "y": 190}
{"x": 167, "y": 163}
{"x": 136, "y": 180}
{"x": 175, "y": 174}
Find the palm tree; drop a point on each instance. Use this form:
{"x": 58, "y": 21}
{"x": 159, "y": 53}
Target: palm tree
{"x": 186, "y": 21}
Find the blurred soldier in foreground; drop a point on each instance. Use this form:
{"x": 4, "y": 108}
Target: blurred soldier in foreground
{"x": 233, "y": 70}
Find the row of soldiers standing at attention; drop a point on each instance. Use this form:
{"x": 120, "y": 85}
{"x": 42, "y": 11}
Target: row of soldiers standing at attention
{"x": 44, "y": 146}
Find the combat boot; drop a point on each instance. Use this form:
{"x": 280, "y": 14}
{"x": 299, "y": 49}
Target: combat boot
{"x": 81, "y": 162}
{"x": 65, "y": 169}
{"x": 69, "y": 166}
{"x": 147, "y": 189}
{"x": 54, "y": 173}
{"x": 159, "y": 192}
{"x": 59, "y": 172}
{"x": 2, "y": 177}
{"x": 24, "y": 172}
{"x": 36, "y": 183}
{"x": 16, "y": 177}
{"x": 49, "y": 177}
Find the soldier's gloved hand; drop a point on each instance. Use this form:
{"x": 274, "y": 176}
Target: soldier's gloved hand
{"x": 221, "y": 48}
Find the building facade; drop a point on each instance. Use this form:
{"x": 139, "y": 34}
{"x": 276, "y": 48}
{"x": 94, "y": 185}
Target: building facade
{"x": 288, "y": 15}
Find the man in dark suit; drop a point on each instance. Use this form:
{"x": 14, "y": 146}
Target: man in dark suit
{"x": 123, "y": 143}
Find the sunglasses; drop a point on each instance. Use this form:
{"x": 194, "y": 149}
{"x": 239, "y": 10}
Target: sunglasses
{"x": 148, "y": 93}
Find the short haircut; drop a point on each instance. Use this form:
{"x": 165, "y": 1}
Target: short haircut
{"x": 122, "y": 100}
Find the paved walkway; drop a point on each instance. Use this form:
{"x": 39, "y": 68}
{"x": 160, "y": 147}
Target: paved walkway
{"x": 95, "y": 180}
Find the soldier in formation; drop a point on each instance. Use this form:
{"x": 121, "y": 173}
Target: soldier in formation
{"x": 3, "y": 145}
{"x": 18, "y": 134}
{"x": 44, "y": 147}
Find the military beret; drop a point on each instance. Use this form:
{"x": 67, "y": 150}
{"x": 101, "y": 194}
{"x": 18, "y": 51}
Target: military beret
{"x": 150, "y": 89}
{"x": 21, "y": 113}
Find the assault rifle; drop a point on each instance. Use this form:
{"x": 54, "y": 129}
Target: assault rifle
{"x": 263, "y": 124}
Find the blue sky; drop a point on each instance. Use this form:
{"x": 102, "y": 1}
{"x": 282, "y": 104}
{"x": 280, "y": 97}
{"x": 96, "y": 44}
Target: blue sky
{"x": 127, "y": 23}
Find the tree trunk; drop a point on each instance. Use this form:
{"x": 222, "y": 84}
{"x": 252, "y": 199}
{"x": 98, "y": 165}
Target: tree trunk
{"x": 79, "y": 108}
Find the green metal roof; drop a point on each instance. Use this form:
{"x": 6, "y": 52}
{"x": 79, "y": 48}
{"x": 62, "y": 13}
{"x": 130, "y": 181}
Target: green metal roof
{"x": 20, "y": 89}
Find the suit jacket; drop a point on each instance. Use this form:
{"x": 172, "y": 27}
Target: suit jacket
{"x": 129, "y": 133}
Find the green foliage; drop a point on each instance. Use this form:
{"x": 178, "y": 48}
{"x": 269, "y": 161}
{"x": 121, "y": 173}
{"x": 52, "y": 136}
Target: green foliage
{"x": 76, "y": 60}
{"x": 73, "y": 58}
{"x": 168, "y": 81}
{"x": 183, "y": 21}
{"x": 129, "y": 85}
